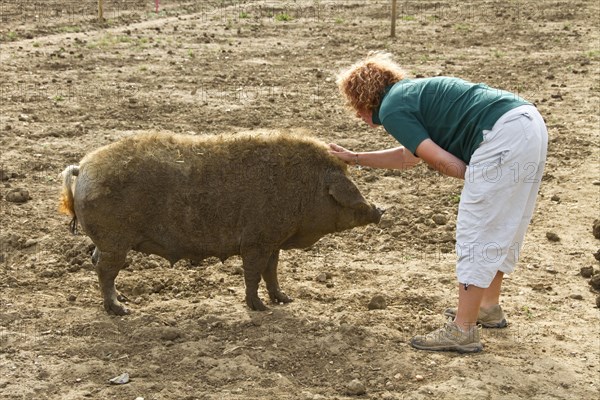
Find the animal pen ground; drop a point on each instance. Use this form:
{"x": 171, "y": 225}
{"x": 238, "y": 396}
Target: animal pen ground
{"x": 70, "y": 84}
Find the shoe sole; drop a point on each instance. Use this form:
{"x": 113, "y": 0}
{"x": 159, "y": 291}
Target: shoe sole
{"x": 497, "y": 325}
{"x": 469, "y": 348}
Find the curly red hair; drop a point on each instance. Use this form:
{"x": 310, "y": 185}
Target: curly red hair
{"x": 363, "y": 83}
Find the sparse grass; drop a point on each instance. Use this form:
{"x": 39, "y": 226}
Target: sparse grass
{"x": 593, "y": 54}
{"x": 12, "y": 36}
{"x": 58, "y": 98}
{"x": 283, "y": 17}
{"x": 498, "y": 53}
{"x": 527, "y": 312}
{"x": 339, "y": 21}
{"x": 462, "y": 27}
{"x": 244, "y": 15}
{"x": 35, "y": 44}
{"x": 143, "y": 68}
{"x": 407, "y": 18}
{"x": 70, "y": 29}
{"x": 191, "y": 53}
{"x": 110, "y": 40}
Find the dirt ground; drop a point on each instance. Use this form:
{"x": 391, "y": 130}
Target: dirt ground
{"x": 70, "y": 84}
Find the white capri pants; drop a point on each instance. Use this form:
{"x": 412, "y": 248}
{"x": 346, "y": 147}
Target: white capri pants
{"x": 499, "y": 195}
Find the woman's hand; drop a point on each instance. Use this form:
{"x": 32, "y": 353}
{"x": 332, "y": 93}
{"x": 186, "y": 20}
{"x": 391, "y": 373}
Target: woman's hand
{"x": 347, "y": 156}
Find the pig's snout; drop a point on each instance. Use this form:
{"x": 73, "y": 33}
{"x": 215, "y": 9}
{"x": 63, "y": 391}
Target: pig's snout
{"x": 377, "y": 213}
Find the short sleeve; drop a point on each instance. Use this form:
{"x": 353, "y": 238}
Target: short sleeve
{"x": 406, "y": 129}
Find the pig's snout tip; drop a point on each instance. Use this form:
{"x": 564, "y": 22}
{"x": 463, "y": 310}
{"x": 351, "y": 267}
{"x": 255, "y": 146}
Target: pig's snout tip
{"x": 378, "y": 213}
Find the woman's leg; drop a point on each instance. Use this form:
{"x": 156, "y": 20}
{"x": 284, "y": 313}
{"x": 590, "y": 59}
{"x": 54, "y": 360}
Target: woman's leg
{"x": 469, "y": 301}
{"x": 491, "y": 295}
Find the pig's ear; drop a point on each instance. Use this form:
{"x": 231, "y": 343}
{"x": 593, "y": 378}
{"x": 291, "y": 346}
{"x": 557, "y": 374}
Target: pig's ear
{"x": 343, "y": 190}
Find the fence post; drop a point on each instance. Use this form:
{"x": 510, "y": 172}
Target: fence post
{"x": 100, "y": 10}
{"x": 393, "y": 33}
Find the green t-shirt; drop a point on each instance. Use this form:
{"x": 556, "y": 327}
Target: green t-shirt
{"x": 450, "y": 111}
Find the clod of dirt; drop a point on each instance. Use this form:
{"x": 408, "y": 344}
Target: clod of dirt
{"x": 551, "y": 270}
{"x": 596, "y": 229}
{"x": 598, "y": 301}
{"x": 553, "y": 237}
{"x": 18, "y": 195}
{"x": 377, "y": 303}
{"x": 323, "y": 277}
{"x": 597, "y": 255}
{"x": 170, "y": 333}
{"x": 555, "y": 197}
{"x": 595, "y": 281}
{"x": 71, "y": 298}
{"x": 24, "y": 117}
{"x": 356, "y": 388}
{"x": 3, "y": 175}
{"x": 586, "y": 272}
{"x": 440, "y": 219}
{"x": 576, "y": 296}
{"x": 540, "y": 287}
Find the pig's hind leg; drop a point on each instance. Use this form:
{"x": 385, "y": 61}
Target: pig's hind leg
{"x": 270, "y": 277}
{"x": 108, "y": 265}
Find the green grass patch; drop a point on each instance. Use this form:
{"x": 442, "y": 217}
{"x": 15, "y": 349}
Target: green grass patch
{"x": 283, "y": 17}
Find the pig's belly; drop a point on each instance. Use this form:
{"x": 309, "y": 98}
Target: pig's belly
{"x": 189, "y": 249}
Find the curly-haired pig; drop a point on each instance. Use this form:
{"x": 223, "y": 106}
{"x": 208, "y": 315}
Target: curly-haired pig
{"x": 192, "y": 197}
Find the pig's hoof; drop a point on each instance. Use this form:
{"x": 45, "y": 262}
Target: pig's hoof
{"x": 280, "y": 297}
{"x": 116, "y": 308}
{"x": 255, "y": 303}
{"x": 121, "y": 297}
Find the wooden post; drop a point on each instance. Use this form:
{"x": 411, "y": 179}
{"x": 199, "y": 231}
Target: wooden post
{"x": 393, "y": 33}
{"x": 100, "y": 10}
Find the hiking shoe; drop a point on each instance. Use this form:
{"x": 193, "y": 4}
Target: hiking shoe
{"x": 449, "y": 338}
{"x": 488, "y": 318}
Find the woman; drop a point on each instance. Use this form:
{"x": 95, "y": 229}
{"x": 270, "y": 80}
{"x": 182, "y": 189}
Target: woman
{"x": 494, "y": 140}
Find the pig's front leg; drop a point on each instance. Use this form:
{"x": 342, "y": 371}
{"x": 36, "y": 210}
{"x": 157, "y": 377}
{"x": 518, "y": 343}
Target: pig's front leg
{"x": 270, "y": 277}
{"x": 255, "y": 263}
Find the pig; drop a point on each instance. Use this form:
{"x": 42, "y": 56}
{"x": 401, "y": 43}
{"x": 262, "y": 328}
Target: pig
{"x": 193, "y": 197}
